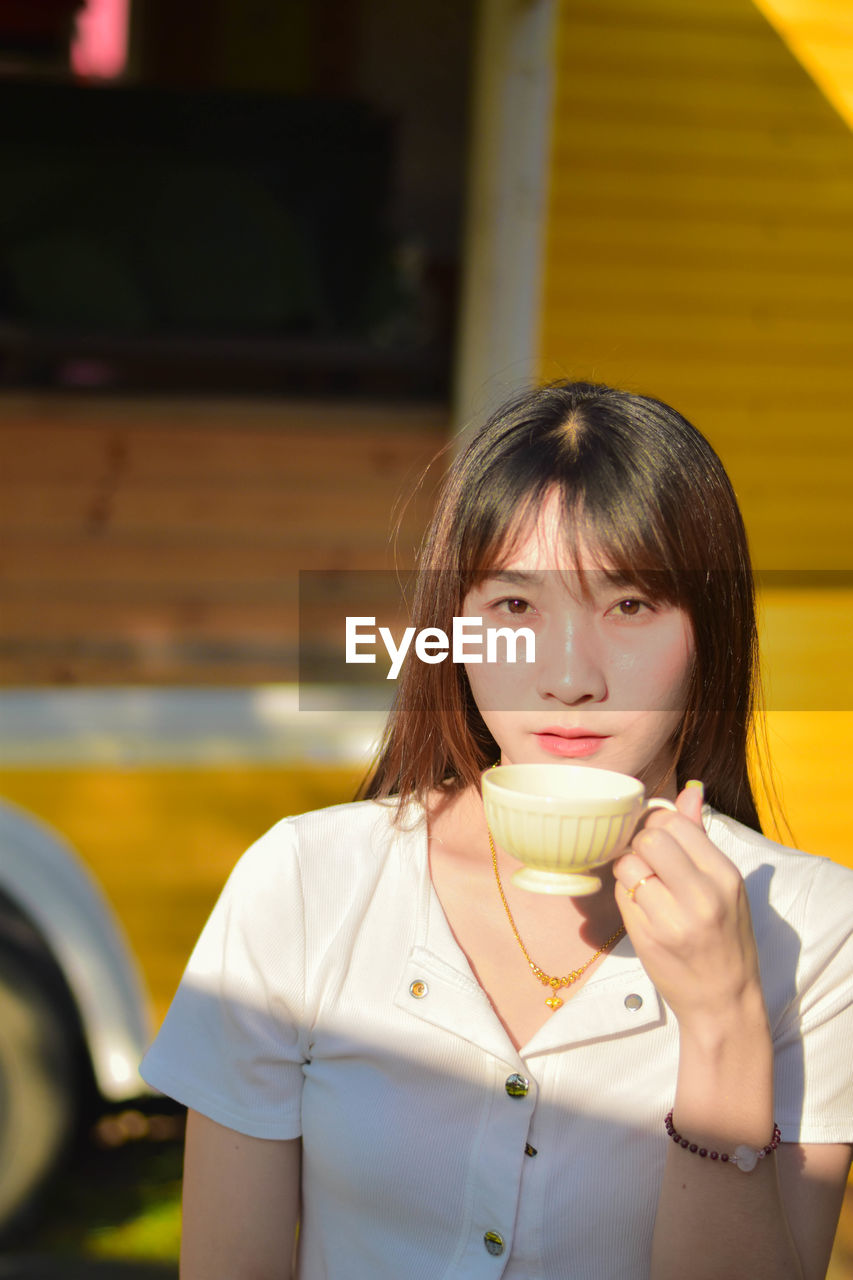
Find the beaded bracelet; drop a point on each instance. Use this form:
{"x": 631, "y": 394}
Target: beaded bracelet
{"x": 744, "y": 1158}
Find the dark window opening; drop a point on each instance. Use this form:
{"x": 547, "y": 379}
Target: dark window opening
{"x": 269, "y": 200}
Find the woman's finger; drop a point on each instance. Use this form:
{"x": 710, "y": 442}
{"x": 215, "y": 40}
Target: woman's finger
{"x": 673, "y": 865}
{"x": 691, "y": 843}
{"x": 632, "y": 874}
{"x": 690, "y": 801}
{"x": 636, "y": 894}
{"x": 629, "y": 868}
{"x": 696, "y": 879}
{"x": 688, "y": 804}
{"x": 667, "y": 852}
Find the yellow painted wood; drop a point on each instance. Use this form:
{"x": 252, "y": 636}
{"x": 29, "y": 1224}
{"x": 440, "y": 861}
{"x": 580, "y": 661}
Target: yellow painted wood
{"x": 820, "y": 34}
{"x": 812, "y": 758}
{"x": 803, "y": 629}
{"x": 163, "y": 867}
{"x": 699, "y": 246}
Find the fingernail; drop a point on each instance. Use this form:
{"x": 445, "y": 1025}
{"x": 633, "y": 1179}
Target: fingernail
{"x": 693, "y": 783}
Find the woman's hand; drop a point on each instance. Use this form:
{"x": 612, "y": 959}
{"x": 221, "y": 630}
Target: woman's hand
{"x": 689, "y": 919}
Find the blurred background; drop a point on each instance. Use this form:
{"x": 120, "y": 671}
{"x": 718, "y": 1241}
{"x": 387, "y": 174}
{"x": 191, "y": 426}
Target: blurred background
{"x": 260, "y": 260}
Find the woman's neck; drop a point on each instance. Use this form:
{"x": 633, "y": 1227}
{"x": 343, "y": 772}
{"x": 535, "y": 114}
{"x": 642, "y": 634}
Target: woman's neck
{"x": 458, "y": 824}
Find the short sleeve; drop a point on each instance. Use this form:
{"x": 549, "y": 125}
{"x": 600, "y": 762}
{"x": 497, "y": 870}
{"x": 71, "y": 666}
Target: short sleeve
{"x": 232, "y": 1045}
{"x": 814, "y": 1039}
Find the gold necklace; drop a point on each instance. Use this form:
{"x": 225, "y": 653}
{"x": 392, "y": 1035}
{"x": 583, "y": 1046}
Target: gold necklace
{"x": 554, "y": 1001}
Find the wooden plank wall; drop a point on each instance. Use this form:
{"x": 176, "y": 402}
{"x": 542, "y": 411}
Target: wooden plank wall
{"x": 820, "y": 34}
{"x": 159, "y": 540}
{"x": 700, "y": 248}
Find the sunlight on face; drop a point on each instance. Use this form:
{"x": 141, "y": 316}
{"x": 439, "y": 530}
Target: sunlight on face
{"x": 609, "y": 684}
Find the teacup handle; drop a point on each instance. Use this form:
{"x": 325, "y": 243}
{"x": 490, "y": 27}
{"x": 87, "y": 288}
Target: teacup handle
{"x": 655, "y": 802}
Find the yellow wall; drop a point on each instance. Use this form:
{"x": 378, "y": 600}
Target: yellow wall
{"x": 820, "y": 34}
{"x": 699, "y": 246}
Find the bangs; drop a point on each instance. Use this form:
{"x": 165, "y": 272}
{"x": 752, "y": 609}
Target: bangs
{"x": 626, "y": 545}
{"x": 615, "y": 540}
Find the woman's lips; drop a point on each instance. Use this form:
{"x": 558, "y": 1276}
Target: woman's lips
{"x": 574, "y": 745}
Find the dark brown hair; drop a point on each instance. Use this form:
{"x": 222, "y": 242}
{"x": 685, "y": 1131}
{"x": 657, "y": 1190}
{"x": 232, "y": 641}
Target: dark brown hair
{"x": 647, "y": 490}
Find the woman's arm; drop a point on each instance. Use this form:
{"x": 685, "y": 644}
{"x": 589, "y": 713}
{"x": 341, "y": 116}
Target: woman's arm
{"x": 813, "y": 1179}
{"x": 240, "y": 1204}
{"x": 778, "y": 1221}
{"x": 691, "y": 928}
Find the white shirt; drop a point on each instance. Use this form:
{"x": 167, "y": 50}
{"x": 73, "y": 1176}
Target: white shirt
{"x": 328, "y": 998}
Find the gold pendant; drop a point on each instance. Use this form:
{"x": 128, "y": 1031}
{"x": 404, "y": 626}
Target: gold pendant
{"x": 553, "y": 1002}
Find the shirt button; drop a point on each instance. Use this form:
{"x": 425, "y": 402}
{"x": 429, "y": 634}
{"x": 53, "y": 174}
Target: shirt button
{"x": 517, "y": 1086}
{"x": 494, "y": 1243}
{"x": 418, "y": 989}
{"x": 633, "y": 1002}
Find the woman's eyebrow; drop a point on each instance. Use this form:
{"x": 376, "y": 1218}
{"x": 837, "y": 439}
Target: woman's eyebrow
{"x": 517, "y": 577}
{"x": 619, "y": 577}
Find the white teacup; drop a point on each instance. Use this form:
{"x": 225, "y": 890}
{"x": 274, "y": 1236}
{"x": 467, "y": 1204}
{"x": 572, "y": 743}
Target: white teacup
{"x": 563, "y": 820}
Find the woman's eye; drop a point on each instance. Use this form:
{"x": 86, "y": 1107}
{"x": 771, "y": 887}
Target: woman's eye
{"x": 514, "y": 606}
{"x": 629, "y": 608}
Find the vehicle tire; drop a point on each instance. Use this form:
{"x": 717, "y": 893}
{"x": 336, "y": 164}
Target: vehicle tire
{"x": 39, "y": 1074}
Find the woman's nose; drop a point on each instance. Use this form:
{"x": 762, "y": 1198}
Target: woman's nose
{"x": 569, "y": 666}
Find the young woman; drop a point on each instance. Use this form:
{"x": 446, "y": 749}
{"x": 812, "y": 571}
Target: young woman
{"x": 439, "y": 1075}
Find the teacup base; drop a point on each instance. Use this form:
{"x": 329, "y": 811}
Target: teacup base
{"x": 556, "y": 882}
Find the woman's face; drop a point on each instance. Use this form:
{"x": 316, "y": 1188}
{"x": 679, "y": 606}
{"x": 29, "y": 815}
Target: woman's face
{"x": 609, "y": 684}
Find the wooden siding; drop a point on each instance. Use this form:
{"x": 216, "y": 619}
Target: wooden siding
{"x": 159, "y": 541}
{"x": 700, "y": 247}
{"x": 820, "y": 34}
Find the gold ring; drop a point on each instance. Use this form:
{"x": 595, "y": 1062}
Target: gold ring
{"x": 653, "y": 875}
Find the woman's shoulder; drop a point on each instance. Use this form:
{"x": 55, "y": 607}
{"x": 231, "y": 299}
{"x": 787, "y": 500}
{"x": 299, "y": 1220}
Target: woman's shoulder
{"x": 322, "y": 862}
{"x": 807, "y": 890}
{"x": 748, "y": 847}
{"x": 344, "y": 835}
{"x": 358, "y": 820}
